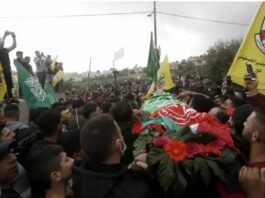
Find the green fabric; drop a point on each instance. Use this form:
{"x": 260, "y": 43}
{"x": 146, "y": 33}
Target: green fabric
{"x": 32, "y": 91}
{"x": 152, "y": 64}
{"x": 169, "y": 125}
{"x": 158, "y": 101}
{"x": 50, "y": 92}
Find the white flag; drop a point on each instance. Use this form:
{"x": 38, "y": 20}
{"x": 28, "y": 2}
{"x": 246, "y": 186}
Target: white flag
{"x": 119, "y": 54}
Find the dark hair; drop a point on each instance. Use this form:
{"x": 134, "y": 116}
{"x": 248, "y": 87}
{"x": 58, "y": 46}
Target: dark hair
{"x": 35, "y": 113}
{"x": 11, "y": 111}
{"x": 89, "y": 108}
{"x": 78, "y": 103}
{"x": 97, "y": 136}
{"x": 48, "y": 122}
{"x": 106, "y": 106}
{"x": 121, "y": 111}
{"x": 222, "y": 116}
{"x": 42, "y": 162}
{"x": 58, "y": 107}
{"x": 71, "y": 142}
{"x": 236, "y": 102}
{"x": 239, "y": 116}
{"x": 202, "y": 104}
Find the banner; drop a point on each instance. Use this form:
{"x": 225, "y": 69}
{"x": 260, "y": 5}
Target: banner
{"x": 58, "y": 76}
{"x": 252, "y": 50}
{"x": 164, "y": 79}
{"x": 32, "y": 91}
{"x": 152, "y": 63}
{"x": 3, "y": 88}
{"x": 50, "y": 92}
{"x": 53, "y": 63}
{"x": 119, "y": 54}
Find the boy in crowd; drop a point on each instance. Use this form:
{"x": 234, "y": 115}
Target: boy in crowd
{"x": 101, "y": 173}
{"x": 49, "y": 171}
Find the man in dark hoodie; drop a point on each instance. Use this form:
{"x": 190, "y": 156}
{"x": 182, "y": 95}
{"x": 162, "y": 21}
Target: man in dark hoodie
{"x": 101, "y": 174}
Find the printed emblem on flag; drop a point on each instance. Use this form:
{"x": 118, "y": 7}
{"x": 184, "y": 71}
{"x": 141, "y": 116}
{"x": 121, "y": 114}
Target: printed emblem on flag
{"x": 35, "y": 88}
{"x": 260, "y": 38}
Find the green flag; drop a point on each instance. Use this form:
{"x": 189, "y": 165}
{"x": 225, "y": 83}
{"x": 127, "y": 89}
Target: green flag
{"x": 152, "y": 61}
{"x": 32, "y": 91}
{"x": 50, "y": 92}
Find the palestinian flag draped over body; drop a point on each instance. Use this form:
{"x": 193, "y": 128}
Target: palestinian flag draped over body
{"x": 252, "y": 50}
{"x": 185, "y": 148}
{"x": 159, "y": 100}
{"x": 32, "y": 91}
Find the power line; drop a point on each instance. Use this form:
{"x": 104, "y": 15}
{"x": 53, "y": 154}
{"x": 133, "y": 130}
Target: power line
{"x": 203, "y": 19}
{"x": 73, "y": 16}
{"x": 124, "y": 13}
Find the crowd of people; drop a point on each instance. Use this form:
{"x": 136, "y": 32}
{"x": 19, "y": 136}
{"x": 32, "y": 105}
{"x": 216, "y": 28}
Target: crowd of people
{"x": 46, "y": 68}
{"x": 83, "y": 145}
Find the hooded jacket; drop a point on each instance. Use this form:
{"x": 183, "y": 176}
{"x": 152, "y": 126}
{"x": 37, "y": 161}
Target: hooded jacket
{"x": 108, "y": 181}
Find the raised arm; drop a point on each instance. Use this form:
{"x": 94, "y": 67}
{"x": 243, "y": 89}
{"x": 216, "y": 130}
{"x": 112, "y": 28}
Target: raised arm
{"x": 14, "y": 44}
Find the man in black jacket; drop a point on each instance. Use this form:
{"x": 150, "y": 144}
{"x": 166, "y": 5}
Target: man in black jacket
{"x": 101, "y": 173}
{"x": 5, "y": 61}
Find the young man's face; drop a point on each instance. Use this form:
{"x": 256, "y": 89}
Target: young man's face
{"x": 66, "y": 164}
{"x": 8, "y": 168}
{"x": 249, "y": 126}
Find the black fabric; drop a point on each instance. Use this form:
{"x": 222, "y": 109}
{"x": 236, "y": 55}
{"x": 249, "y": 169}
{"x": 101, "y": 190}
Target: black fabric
{"x": 129, "y": 138}
{"x": 9, "y": 193}
{"x": 109, "y": 181}
{"x": 5, "y": 61}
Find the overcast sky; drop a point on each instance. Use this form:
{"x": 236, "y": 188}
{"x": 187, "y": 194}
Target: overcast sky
{"x": 75, "y": 39}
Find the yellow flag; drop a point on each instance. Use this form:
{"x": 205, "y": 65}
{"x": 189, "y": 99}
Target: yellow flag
{"x": 252, "y": 50}
{"x": 58, "y": 76}
{"x": 164, "y": 79}
{"x": 3, "y": 88}
{"x": 53, "y": 63}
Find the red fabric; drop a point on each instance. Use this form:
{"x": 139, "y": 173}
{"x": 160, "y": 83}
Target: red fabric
{"x": 257, "y": 100}
{"x": 230, "y": 111}
{"x": 257, "y": 164}
{"x": 185, "y": 116}
{"x": 137, "y": 128}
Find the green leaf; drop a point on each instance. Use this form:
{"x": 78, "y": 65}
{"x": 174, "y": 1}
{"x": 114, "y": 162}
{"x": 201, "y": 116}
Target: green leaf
{"x": 155, "y": 156}
{"x": 179, "y": 183}
{"x": 188, "y": 166}
{"x": 217, "y": 171}
{"x": 165, "y": 172}
{"x": 141, "y": 143}
{"x": 200, "y": 166}
{"x": 181, "y": 180}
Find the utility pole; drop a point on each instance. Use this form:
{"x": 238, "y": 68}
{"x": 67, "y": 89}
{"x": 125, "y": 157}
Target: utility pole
{"x": 155, "y": 32}
{"x": 89, "y": 72}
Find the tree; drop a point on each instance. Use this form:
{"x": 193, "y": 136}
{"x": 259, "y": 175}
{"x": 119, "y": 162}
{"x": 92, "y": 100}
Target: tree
{"x": 220, "y": 57}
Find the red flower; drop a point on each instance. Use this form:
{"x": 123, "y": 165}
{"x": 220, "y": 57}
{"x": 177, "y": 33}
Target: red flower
{"x": 156, "y": 127}
{"x": 176, "y": 150}
{"x": 210, "y": 149}
{"x": 219, "y": 143}
{"x": 194, "y": 149}
{"x": 137, "y": 128}
{"x": 161, "y": 141}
